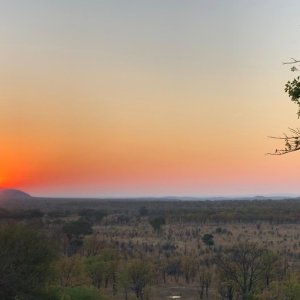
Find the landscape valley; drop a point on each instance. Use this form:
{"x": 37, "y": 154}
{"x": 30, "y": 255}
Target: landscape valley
{"x": 154, "y": 248}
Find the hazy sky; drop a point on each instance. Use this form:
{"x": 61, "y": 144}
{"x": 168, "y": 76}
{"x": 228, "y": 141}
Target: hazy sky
{"x": 157, "y": 97}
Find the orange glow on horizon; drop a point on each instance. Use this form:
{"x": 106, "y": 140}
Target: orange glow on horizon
{"x": 105, "y": 98}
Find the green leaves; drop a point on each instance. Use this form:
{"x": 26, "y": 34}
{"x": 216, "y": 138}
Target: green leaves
{"x": 157, "y": 223}
{"x": 25, "y": 259}
{"x": 208, "y": 239}
{"x": 293, "y": 90}
{"x": 79, "y": 227}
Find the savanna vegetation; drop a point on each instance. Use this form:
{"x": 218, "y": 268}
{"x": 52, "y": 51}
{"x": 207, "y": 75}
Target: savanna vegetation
{"x": 130, "y": 249}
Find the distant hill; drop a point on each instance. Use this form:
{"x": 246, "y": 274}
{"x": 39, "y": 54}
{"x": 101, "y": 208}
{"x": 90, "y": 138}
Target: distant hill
{"x": 11, "y": 198}
{"x": 13, "y": 194}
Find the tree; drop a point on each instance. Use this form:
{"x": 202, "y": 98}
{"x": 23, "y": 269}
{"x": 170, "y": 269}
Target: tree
{"x": 92, "y": 215}
{"x": 271, "y": 266}
{"x": 157, "y": 222}
{"x": 111, "y": 258}
{"x": 124, "y": 280}
{"x": 208, "y": 239}
{"x": 174, "y": 268}
{"x": 96, "y": 269}
{"x": 242, "y": 267}
{"x": 292, "y": 140}
{"x": 140, "y": 276}
{"x": 93, "y": 245}
{"x": 25, "y": 262}
{"x": 204, "y": 280}
{"x": 189, "y": 268}
{"x": 287, "y": 290}
{"x": 71, "y": 271}
{"x": 77, "y": 228}
{"x": 143, "y": 211}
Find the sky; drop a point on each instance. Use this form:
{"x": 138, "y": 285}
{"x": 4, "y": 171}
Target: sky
{"x": 126, "y": 98}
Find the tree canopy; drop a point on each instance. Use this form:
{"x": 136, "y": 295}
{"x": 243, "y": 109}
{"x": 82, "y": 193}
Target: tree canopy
{"x": 25, "y": 259}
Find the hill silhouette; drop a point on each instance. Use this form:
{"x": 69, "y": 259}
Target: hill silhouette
{"x": 13, "y": 194}
{"x": 12, "y": 198}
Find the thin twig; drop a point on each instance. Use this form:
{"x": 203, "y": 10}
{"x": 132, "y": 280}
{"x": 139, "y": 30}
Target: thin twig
{"x": 291, "y": 62}
{"x": 292, "y": 143}
{"x": 284, "y": 152}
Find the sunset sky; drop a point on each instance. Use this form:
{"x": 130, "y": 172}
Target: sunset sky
{"x": 147, "y": 98}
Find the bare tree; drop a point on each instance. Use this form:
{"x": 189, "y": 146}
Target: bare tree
{"x": 204, "y": 281}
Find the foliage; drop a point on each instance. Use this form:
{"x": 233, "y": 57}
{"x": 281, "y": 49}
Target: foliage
{"x": 92, "y": 245}
{"x": 81, "y": 293}
{"x": 243, "y": 268}
{"x": 174, "y": 268}
{"x": 204, "y": 281}
{"x": 287, "y": 290}
{"x": 58, "y": 213}
{"x": 271, "y": 265}
{"x": 71, "y": 271}
{"x": 208, "y": 239}
{"x": 123, "y": 260}
{"x": 96, "y": 269}
{"x": 21, "y": 214}
{"x": 157, "y": 223}
{"x": 188, "y": 268}
{"x": 92, "y": 214}
{"x": 140, "y": 276}
{"x": 25, "y": 259}
{"x": 72, "y": 293}
{"x": 124, "y": 280}
{"x": 292, "y": 141}
{"x": 143, "y": 211}
{"x": 79, "y": 227}
{"x": 292, "y": 290}
{"x": 293, "y": 90}
{"x": 102, "y": 269}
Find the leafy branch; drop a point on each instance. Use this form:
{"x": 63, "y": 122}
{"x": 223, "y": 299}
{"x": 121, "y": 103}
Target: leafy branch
{"x": 292, "y": 141}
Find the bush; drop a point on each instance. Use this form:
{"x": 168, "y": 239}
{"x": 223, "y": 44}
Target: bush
{"x": 25, "y": 259}
{"x": 73, "y": 293}
{"x": 79, "y": 227}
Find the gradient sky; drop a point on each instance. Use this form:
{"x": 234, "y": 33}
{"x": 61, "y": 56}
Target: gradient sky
{"x": 160, "y": 97}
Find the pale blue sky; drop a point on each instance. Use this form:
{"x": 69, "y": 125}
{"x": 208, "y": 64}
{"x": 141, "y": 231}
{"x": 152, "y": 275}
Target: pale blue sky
{"x": 170, "y": 33}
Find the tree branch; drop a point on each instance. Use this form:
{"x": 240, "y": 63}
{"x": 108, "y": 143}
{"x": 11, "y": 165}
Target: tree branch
{"x": 294, "y": 61}
{"x": 292, "y": 143}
